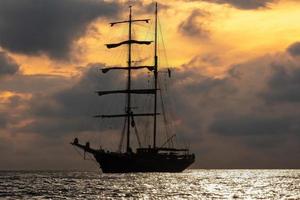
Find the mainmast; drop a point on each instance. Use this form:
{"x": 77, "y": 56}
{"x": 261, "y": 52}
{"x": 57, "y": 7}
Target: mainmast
{"x": 128, "y": 110}
{"x": 155, "y": 79}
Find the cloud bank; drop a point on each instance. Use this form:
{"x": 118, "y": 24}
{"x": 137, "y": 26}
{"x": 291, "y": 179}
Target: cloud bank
{"x": 192, "y": 27}
{"x": 247, "y": 5}
{"x": 247, "y": 119}
{"x": 34, "y": 27}
{"x": 7, "y": 65}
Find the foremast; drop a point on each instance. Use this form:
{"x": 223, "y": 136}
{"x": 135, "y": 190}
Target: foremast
{"x": 128, "y": 111}
{"x": 155, "y": 80}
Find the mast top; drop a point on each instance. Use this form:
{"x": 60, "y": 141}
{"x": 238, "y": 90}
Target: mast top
{"x": 130, "y": 19}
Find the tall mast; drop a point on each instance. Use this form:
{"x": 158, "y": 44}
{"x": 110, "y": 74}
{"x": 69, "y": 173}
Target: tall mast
{"x": 128, "y": 110}
{"x": 128, "y": 91}
{"x": 155, "y": 79}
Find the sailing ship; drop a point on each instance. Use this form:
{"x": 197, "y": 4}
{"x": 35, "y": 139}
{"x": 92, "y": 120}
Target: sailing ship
{"x": 152, "y": 158}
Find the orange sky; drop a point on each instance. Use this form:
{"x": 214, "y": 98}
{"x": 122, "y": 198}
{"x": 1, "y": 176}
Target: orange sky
{"x": 234, "y": 36}
{"x": 44, "y": 101}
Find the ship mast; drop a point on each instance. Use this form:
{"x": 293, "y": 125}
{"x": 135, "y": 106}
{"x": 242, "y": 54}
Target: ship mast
{"x": 128, "y": 111}
{"x": 155, "y": 79}
{"x": 153, "y": 158}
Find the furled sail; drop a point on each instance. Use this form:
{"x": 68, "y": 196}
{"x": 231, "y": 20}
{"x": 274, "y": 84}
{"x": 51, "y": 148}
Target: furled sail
{"x": 137, "y": 91}
{"x": 127, "y": 42}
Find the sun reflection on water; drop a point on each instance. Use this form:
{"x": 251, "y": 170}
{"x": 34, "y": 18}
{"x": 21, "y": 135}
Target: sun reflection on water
{"x": 191, "y": 184}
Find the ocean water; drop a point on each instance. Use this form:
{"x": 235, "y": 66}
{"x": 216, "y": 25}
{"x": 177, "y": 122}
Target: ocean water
{"x": 191, "y": 184}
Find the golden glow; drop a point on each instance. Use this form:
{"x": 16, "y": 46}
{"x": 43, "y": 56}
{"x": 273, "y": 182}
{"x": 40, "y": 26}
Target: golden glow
{"x": 4, "y": 96}
{"x": 234, "y": 36}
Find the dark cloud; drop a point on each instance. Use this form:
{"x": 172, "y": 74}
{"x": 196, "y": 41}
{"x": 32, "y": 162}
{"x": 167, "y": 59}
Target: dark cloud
{"x": 236, "y": 111}
{"x": 248, "y": 4}
{"x": 193, "y": 27}
{"x": 70, "y": 109}
{"x": 48, "y": 27}
{"x": 264, "y": 105}
{"x": 225, "y": 120}
{"x": 294, "y": 49}
{"x": 253, "y": 125}
{"x": 7, "y": 65}
{"x": 284, "y": 85}
{"x": 150, "y": 8}
{"x": 204, "y": 63}
{"x": 3, "y": 120}
{"x": 34, "y": 83}
{"x": 140, "y": 7}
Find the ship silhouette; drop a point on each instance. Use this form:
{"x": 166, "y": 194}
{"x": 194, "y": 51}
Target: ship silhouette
{"x": 152, "y": 158}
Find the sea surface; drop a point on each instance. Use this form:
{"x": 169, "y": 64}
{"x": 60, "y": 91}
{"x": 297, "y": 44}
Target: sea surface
{"x": 191, "y": 184}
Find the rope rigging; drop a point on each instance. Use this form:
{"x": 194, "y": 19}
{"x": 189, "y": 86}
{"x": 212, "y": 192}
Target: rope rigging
{"x": 122, "y": 135}
{"x": 89, "y": 157}
{"x": 165, "y": 124}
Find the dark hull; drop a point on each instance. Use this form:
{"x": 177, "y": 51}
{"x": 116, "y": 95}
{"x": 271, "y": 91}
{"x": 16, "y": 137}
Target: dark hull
{"x": 134, "y": 162}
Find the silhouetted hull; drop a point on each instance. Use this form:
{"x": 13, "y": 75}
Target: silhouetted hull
{"x": 111, "y": 162}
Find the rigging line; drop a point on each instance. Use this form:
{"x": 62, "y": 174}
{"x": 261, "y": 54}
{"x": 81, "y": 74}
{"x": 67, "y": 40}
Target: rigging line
{"x": 173, "y": 114}
{"x": 122, "y": 55}
{"x": 141, "y": 25}
{"x": 169, "y": 107}
{"x": 136, "y": 54}
{"x": 169, "y": 104}
{"x": 146, "y": 108}
{"x": 147, "y": 132}
{"x": 93, "y": 160}
{"x": 114, "y": 35}
{"x": 137, "y": 136}
{"x": 90, "y": 159}
{"x": 77, "y": 151}
{"x": 124, "y": 129}
{"x": 167, "y": 96}
{"x": 136, "y": 50}
{"x": 122, "y": 134}
{"x": 119, "y": 55}
{"x": 139, "y": 49}
{"x": 148, "y": 30}
{"x": 100, "y": 124}
{"x": 164, "y": 113}
{"x": 163, "y": 42}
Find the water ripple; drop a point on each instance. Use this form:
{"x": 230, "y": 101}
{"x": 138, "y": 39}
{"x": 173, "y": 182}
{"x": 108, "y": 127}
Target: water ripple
{"x": 192, "y": 184}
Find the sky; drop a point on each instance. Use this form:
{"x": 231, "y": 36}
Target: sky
{"x": 234, "y": 91}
